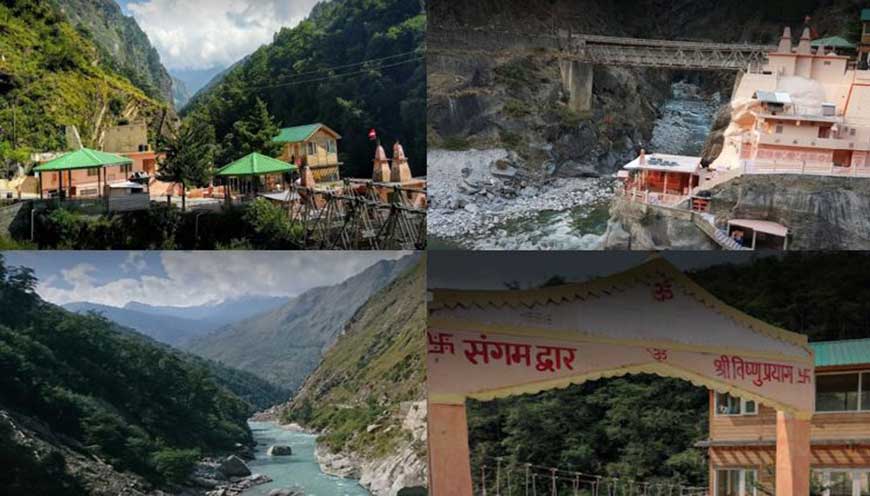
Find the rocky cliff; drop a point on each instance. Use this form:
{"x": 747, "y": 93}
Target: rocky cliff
{"x": 123, "y": 44}
{"x": 821, "y": 213}
{"x": 367, "y": 397}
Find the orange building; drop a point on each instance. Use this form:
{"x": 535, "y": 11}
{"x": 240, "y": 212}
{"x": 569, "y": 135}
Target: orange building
{"x": 742, "y": 438}
{"x": 130, "y": 141}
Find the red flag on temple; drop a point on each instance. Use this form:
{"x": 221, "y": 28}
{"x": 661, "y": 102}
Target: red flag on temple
{"x": 373, "y": 135}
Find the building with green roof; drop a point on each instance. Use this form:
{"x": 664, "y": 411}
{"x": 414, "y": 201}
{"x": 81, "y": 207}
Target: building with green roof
{"x": 864, "y": 45}
{"x": 254, "y": 173}
{"x": 84, "y": 163}
{"x": 314, "y": 146}
{"x": 833, "y": 42}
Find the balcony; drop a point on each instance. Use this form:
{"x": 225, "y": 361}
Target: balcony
{"x": 806, "y": 168}
{"x": 823, "y": 143}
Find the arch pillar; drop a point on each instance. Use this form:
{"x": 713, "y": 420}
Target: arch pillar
{"x": 450, "y": 469}
{"x": 792, "y": 454}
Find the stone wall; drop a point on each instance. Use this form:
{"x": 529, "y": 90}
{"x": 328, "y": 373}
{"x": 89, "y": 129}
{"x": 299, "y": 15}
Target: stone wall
{"x": 15, "y": 220}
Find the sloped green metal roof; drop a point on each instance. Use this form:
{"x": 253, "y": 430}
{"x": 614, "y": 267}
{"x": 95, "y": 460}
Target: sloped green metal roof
{"x": 832, "y": 41}
{"x": 300, "y": 133}
{"x": 865, "y": 15}
{"x": 82, "y": 159}
{"x": 255, "y": 165}
{"x": 846, "y": 352}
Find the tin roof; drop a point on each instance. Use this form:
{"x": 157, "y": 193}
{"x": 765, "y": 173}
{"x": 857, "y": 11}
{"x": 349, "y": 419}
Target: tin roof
{"x": 255, "y": 164}
{"x": 832, "y": 41}
{"x": 865, "y": 15}
{"x": 846, "y": 352}
{"x": 301, "y": 133}
{"x": 772, "y": 97}
{"x": 82, "y": 159}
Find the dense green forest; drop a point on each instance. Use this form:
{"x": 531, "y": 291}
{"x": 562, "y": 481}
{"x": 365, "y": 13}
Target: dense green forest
{"x": 312, "y": 73}
{"x": 644, "y": 427}
{"x": 52, "y": 75}
{"x": 103, "y": 393}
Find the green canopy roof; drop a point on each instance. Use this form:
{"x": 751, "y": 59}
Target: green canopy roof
{"x": 300, "y": 133}
{"x": 82, "y": 159}
{"x": 865, "y": 15}
{"x": 846, "y": 352}
{"x": 832, "y": 41}
{"x": 255, "y": 165}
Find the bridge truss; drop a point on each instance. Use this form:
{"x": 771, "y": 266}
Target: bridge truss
{"x": 607, "y": 50}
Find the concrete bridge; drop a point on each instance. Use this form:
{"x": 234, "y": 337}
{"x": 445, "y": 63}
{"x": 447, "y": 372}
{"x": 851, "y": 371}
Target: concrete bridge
{"x": 579, "y": 52}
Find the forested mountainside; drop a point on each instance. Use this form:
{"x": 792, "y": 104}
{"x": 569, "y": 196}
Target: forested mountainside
{"x": 123, "y": 46}
{"x": 517, "y": 102}
{"x": 52, "y": 75}
{"x": 303, "y": 76}
{"x": 285, "y": 345}
{"x": 86, "y": 409}
{"x": 644, "y": 427}
{"x": 368, "y": 395}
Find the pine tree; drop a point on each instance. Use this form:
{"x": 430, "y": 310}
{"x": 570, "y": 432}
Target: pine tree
{"x": 189, "y": 156}
{"x": 254, "y": 133}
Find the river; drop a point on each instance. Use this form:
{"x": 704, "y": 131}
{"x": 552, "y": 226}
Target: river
{"x": 543, "y": 223}
{"x": 300, "y": 470}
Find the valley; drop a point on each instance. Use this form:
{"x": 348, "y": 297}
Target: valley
{"x": 380, "y": 328}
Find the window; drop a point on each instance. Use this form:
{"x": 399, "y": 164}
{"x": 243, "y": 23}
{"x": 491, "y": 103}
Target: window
{"x": 126, "y": 168}
{"x": 779, "y": 129}
{"x": 840, "y": 392}
{"x": 842, "y": 482}
{"x": 736, "y": 482}
{"x": 93, "y": 172}
{"x": 731, "y": 405}
{"x": 330, "y": 146}
{"x": 312, "y": 148}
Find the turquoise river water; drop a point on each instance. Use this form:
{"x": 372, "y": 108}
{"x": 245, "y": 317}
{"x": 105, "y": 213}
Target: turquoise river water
{"x": 299, "y": 470}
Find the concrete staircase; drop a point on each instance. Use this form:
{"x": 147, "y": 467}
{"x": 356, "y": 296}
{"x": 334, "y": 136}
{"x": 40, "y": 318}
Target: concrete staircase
{"x": 720, "y": 238}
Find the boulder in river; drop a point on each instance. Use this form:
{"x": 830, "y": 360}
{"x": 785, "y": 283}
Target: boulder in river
{"x": 233, "y": 466}
{"x": 285, "y": 492}
{"x": 279, "y": 450}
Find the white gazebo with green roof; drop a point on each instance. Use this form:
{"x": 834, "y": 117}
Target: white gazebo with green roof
{"x": 80, "y": 159}
{"x": 250, "y": 167}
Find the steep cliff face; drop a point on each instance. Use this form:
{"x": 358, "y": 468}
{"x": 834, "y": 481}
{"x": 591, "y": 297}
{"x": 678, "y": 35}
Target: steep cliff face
{"x": 822, "y": 213}
{"x": 124, "y": 46}
{"x": 367, "y": 397}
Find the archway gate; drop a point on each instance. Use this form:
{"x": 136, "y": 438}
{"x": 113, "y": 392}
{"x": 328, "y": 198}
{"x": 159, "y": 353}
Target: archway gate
{"x": 650, "y": 319}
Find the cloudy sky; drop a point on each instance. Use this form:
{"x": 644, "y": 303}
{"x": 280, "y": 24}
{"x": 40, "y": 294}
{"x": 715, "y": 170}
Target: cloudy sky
{"x": 186, "y": 278}
{"x": 200, "y": 34}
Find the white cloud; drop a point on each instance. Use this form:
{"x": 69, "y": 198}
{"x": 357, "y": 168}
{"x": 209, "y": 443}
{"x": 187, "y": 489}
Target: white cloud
{"x": 202, "y": 34}
{"x": 135, "y": 262}
{"x": 196, "y": 278}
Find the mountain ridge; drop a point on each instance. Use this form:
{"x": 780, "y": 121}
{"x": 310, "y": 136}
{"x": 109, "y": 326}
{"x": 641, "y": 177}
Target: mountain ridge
{"x": 284, "y": 345}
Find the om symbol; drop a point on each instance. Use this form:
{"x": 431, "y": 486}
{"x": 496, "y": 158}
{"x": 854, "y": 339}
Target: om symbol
{"x": 663, "y": 291}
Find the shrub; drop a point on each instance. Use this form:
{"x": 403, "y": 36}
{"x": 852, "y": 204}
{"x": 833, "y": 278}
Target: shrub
{"x": 174, "y": 465}
{"x": 271, "y": 225}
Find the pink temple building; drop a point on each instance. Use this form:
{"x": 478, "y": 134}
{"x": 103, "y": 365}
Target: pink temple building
{"x": 807, "y": 111}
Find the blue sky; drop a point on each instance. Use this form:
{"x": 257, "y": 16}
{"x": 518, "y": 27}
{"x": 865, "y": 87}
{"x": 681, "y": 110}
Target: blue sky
{"x": 201, "y": 34}
{"x": 186, "y": 278}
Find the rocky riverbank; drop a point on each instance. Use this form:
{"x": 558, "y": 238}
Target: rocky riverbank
{"x": 483, "y": 199}
{"x": 403, "y": 470}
